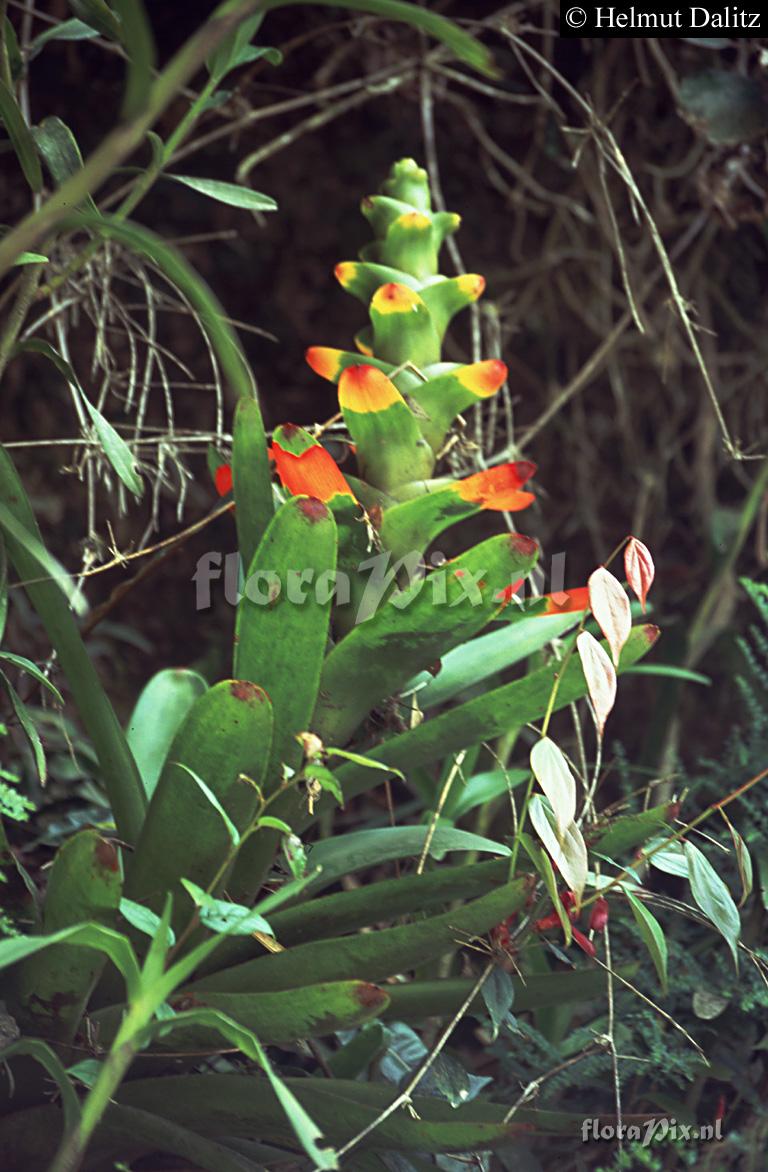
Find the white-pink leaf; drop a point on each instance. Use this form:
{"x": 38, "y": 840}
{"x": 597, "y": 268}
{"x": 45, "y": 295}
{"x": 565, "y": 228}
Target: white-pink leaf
{"x": 569, "y": 855}
{"x": 610, "y": 606}
{"x": 639, "y": 568}
{"x": 600, "y": 675}
{"x": 553, "y": 774}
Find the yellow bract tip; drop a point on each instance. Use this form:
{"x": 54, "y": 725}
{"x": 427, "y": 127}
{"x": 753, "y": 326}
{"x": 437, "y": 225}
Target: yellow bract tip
{"x": 394, "y": 298}
{"x": 366, "y": 390}
{"x": 414, "y": 220}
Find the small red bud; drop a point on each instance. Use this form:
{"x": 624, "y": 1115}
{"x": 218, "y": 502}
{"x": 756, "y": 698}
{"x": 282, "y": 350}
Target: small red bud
{"x": 584, "y": 944}
{"x": 599, "y": 917}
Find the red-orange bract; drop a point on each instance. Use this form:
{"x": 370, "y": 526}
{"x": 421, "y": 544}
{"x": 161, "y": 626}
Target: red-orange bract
{"x": 313, "y": 473}
{"x": 223, "y": 479}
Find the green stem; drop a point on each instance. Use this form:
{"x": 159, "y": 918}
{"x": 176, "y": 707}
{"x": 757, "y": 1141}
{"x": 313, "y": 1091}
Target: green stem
{"x": 5, "y": 66}
{"x": 15, "y": 319}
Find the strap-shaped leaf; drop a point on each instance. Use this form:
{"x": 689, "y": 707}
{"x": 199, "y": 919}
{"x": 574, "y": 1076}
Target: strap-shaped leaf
{"x": 312, "y": 1011}
{"x": 370, "y": 956}
{"x": 162, "y": 705}
{"x": 283, "y": 617}
{"x": 226, "y": 734}
{"x": 412, "y": 629}
{"x": 21, "y": 137}
{"x": 53, "y": 986}
{"x": 487, "y": 716}
{"x": 251, "y": 477}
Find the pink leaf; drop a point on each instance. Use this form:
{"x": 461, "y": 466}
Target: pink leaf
{"x": 600, "y": 675}
{"x": 610, "y": 606}
{"x": 639, "y": 568}
{"x": 553, "y": 774}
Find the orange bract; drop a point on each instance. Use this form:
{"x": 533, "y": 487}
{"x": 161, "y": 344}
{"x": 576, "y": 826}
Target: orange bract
{"x": 313, "y": 473}
{"x": 566, "y": 601}
{"x": 499, "y": 488}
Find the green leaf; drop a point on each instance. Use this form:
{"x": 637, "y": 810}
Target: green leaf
{"x": 31, "y": 561}
{"x": 26, "y": 665}
{"x": 31, "y": 258}
{"x": 482, "y": 788}
{"x": 743, "y": 862}
{"x": 11, "y": 46}
{"x": 465, "y": 47}
{"x": 28, "y": 725}
{"x": 222, "y": 916}
{"x": 357, "y": 1055}
{"x": 139, "y": 44}
{"x": 228, "y": 52}
{"x": 117, "y": 948}
{"x": 362, "y": 849}
{"x": 713, "y": 898}
{"x": 270, "y": 823}
{"x": 67, "y": 30}
{"x": 342, "y": 1109}
{"x": 144, "y": 920}
{"x": 38, "y": 557}
{"x": 653, "y": 936}
{"x": 50, "y": 1061}
{"x": 313, "y": 1011}
{"x": 486, "y": 717}
{"x": 669, "y": 671}
{"x": 416, "y": 1001}
{"x": 346, "y": 911}
{"x": 3, "y": 586}
{"x": 115, "y": 448}
{"x": 281, "y": 636}
{"x": 360, "y": 759}
{"x": 233, "y": 194}
{"x": 99, "y": 16}
{"x": 58, "y": 147}
{"x": 541, "y": 862}
{"x": 160, "y": 710}
{"x": 21, "y": 138}
{"x": 670, "y": 859}
{"x": 84, "y": 886}
{"x": 322, "y": 776}
{"x": 370, "y": 956}
{"x": 499, "y": 996}
{"x": 305, "y": 1129}
{"x": 475, "y": 661}
{"x": 413, "y": 629}
{"x": 225, "y": 740}
{"x": 125, "y": 1133}
{"x": 251, "y": 477}
{"x": 628, "y": 831}
{"x": 232, "y": 831}
{"x": 251, "y": 53}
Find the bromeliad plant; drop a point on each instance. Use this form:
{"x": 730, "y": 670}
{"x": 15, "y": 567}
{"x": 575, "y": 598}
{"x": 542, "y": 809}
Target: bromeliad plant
{"x": 203, "y": 924}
